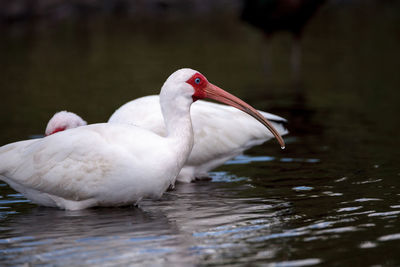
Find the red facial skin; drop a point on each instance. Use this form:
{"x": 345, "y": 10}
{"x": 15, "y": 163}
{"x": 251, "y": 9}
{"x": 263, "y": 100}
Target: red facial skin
{"x": 199, "y": 88}
{"x": 59, "y": 129}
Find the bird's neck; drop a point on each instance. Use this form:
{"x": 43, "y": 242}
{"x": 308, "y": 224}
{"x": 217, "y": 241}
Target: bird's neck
{"x": 179, "y": 129}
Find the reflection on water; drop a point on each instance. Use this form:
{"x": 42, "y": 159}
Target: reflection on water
{"x": 243, "y": 159}
{"x": 229, "y": 220}
{"x": 179, "y": 228}
{"x": 331, "y": 198}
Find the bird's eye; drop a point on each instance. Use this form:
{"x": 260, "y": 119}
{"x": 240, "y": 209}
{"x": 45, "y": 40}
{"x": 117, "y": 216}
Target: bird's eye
{"x": 197, "y": 80}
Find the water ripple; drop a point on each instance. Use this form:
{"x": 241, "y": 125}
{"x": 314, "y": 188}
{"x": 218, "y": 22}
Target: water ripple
{"x": 368, "y": 181}
{"x": 367, "y": 244}
{"x": 389, "y": 237}
{"x": 367, "y": 199}
{"x": 225, "y": 177}
{"x": 16, "y": 239}
{"x": 349, "y": 209}
{"x": 389, "y": 213}
{"x": 290, "y": 233}
{"x": 303, "y": 188}
{"x": 244, "y": 159}
{"x": 338, "y": 230}
{"x": 296, "y": 263}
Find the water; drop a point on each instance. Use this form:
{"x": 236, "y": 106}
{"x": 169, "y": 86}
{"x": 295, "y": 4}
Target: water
{"x": 331, "y": 197}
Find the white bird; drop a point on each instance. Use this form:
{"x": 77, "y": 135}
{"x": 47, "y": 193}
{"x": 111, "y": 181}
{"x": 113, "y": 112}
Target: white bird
{"x": 63, "y": 120}
{"x": 213, "y": 144}
{"x": 114, "y": 164}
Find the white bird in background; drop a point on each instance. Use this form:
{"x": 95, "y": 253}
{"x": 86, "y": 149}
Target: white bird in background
{"x": 63, "y": 120}
{"x": 114, "y": 164}
{"x": 213, "y": 145}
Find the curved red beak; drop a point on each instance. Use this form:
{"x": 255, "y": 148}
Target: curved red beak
{"x": 214, "y": 92}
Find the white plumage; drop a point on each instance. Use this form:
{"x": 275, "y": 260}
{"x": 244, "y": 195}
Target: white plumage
{"x": 213, "y": 145}
{"x": 89, "y": 166}
{"x": 113, "y": 164}
{"x": 221, "y": 132}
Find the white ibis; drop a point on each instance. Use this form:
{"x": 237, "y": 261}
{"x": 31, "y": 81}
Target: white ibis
{"x": 114, "y": 164}
{"x": 213, "y": 144}
{"x": 63, "y": 120}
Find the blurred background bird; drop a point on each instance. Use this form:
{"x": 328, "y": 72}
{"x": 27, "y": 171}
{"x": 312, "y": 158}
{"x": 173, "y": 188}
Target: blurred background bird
{"x": 271, "y": 16}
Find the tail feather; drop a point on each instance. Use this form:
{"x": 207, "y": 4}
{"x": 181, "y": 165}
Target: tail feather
{"x": 10, "y": 156}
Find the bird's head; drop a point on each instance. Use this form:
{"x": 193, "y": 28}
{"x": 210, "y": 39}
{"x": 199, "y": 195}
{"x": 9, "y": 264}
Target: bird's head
{"x": 63, "y": 120}
{"x": 187, "y": 85}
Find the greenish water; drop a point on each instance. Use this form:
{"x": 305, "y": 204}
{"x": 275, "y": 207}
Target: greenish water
{"x": 331, "y": 198}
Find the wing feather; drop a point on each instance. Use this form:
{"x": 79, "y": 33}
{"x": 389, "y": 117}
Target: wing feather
{"x": 78, "y": 163}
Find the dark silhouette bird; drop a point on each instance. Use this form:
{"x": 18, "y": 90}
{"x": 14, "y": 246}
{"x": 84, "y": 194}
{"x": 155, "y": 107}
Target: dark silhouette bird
{"x": 272, "y": 16}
